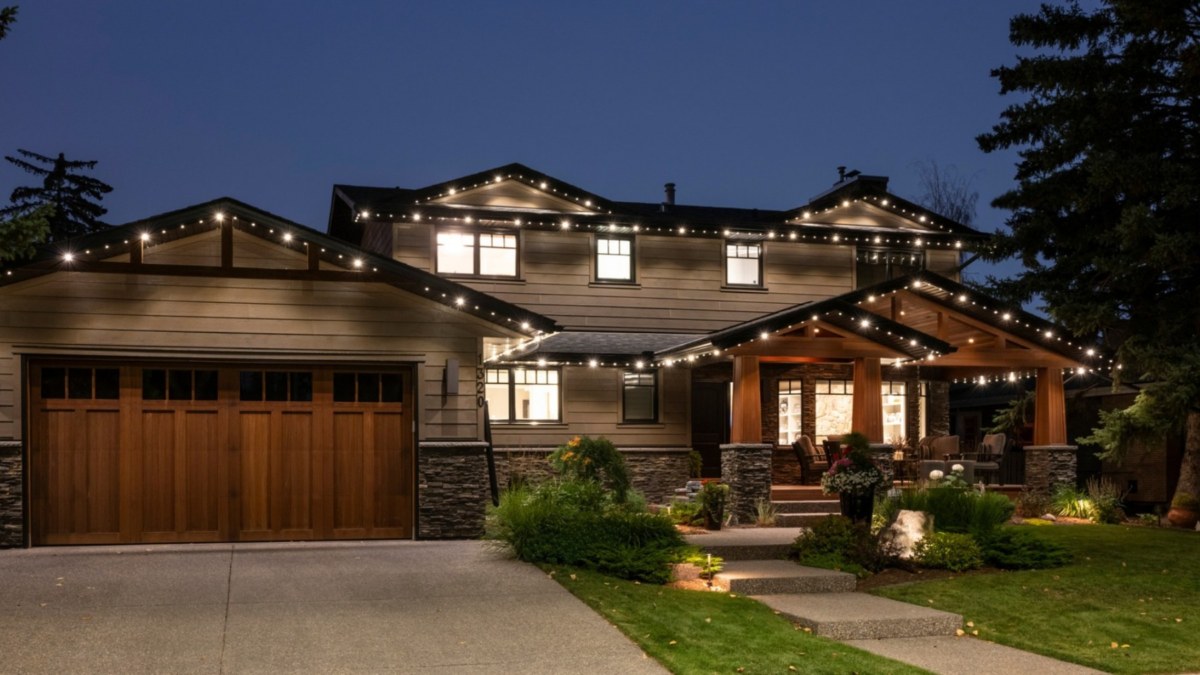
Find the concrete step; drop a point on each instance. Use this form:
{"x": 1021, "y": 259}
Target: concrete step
{"x": 800, "y": 519}
{"x": 763, "y": 577}
{"x": 858, "y": 616}
{"x": 747, "y": 543}
{"x": 808, "y": 506}
{"x": 781, "y": 493}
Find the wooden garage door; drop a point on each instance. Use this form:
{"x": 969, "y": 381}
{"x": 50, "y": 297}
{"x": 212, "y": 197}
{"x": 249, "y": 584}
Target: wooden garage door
{"x": 173, "y": 452}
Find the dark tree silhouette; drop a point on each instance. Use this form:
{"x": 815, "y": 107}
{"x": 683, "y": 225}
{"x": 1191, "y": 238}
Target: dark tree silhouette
{"x": 73, "y": 195}
{"x": 1107, "y": 197}
{"x": 8, "y": 16}
{"x": 947, "y": 192}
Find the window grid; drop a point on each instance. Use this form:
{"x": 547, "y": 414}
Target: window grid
{"x": 614, "y": 258}
{"x": 490, "y": 254}
{"x": 743, "y": 264}
{"x": 523, "y": 395}
{"x": 639, "y": 397}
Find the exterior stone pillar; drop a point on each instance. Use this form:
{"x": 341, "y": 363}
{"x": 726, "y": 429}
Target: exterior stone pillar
{"x": 746, "y": 467}
{"x": 12, "y": 517}
{"x": 939, "y": 408}
{"x": 1048, "y": 466}
{"x": 452, "y": 489}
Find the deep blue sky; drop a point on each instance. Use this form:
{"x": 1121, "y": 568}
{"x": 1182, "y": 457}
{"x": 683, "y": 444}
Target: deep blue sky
{"x": 748, "y": 104}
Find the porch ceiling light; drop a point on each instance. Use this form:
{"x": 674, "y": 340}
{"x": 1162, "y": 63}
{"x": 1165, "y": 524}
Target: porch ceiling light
{"x": 764, "y": 335}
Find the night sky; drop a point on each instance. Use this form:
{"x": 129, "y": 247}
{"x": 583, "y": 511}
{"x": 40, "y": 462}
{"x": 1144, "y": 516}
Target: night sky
{"x": 748, "y": 104}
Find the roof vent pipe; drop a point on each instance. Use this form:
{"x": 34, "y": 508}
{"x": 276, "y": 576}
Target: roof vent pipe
{"x": 841, "y": 173}
{"x": 669, "y": 189}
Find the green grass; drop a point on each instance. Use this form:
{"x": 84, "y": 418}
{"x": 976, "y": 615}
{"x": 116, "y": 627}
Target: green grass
{"x": 1138, "y": 587}
{"x": 702, "y": 632}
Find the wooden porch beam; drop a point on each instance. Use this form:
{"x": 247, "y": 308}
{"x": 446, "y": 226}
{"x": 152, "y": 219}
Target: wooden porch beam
{"x": 1050, "y": 409}
{"x": 1005, "y": 358}
{"x": 747, "y": 401}
{"x": 867, "y": 415}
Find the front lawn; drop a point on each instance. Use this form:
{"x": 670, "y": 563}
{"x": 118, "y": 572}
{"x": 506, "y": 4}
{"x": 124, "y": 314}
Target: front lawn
{"x": 706, "y": 632}
{"x": 1128, "y": 603}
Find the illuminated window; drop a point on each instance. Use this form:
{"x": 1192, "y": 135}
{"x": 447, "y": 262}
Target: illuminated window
{"x": 743, "y": 264}
{"x": 614, "y": 258}
{"x": 639, "y": 396}
{"x": 523, "y": 394}
{"x": 790, "y": 411}
{"x": 895, "y": 409}
{"x": 835, "y": 408}
{"x": 485, "y": 254}
{"x": 874, "y": 265}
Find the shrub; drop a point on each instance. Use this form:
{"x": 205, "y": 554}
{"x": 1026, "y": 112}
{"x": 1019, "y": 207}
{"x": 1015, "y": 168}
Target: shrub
{"x": 574, "y": 522}
{"x": 695, "y": 464}
{"x": 835, "y": 542}
{"x": 1107, "y": 501}
{"x": 1013, "y": 548}
{"x": 593, "y": 459}
{"x": 949, "y": 551}
{"x": 685, "y": 513}
{"x": 765, "y": 513}
{"x": 1070, "y": 501}
{"x": 956, "y": 510}
{"x": 713, "y": 497}
{"x": 1032, "y": 504}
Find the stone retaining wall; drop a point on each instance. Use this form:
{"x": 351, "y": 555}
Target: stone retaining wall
{"x": 452, "y": 489}
{"x": 1048, "y": 466}
{"x": 654, "y": 472}
{"x": 12, "y": 518}
{"x": 746, "y": 467}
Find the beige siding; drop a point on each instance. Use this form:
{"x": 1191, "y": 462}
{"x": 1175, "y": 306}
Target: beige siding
{"x": 512, "y": 194}
{"x": 592, "y": 406}
{"x": 679, "y": 280}
{"x": 89, "y": 314}
{"x": 944, "y": 263}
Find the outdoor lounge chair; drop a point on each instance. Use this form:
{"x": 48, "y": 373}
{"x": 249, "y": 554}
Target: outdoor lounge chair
{"x": 991, "y": 453}
{"x": 812, "y": 463}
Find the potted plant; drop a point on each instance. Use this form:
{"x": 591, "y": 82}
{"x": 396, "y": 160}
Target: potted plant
{"x": 712, "y": 500}
{"x": 854, "y": 477}
{"x": 1185, "y": 510}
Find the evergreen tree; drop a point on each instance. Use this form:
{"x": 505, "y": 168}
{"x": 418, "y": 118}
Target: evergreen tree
{"x": 72, "y": 194}
{"x": 8, "y": 16}
{"x": 1106, "y": 209}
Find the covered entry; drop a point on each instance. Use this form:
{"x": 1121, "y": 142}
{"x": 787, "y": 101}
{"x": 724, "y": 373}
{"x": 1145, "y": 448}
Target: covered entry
{"x": 192, "y": 452}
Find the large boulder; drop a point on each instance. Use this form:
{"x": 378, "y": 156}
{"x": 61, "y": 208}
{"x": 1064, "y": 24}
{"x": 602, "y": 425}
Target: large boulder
{"x": 901, "y": 536}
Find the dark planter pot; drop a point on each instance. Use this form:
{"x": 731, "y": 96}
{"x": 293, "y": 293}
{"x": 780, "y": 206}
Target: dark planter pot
{"x": 858, "y": 508}
{"x": 712, "y": 521}
{"x": 1182, "y": 517}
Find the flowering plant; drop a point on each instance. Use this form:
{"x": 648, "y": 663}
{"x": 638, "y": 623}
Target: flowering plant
{"x": 593, "y": 459}
{"x": 851, "y": 471}
{"x": 954, "y": 480}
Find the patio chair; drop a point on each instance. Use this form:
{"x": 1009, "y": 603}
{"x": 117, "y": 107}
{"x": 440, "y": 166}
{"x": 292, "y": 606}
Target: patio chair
{"x": 832, "y": 446}
{"x": 811, "y": 462}
{"x": 991, "y": 453}
{"x": 946, "y": 448}
{"x": 925, "y": 447}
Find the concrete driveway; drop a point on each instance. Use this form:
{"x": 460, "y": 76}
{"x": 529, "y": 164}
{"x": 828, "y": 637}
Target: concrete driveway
{"x": 323, "y": 607}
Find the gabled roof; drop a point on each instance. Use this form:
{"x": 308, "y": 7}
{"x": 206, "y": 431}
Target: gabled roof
{"x": 89, "y": 253}
{"x": 835, "y": 312}
{"x": 355, "y": 204}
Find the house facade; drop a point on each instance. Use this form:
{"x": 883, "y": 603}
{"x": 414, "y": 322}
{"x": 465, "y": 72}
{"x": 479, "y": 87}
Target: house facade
{"x": 220, "y": 373}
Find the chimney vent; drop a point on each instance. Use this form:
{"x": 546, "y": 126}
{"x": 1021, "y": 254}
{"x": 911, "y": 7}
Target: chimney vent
{"x": 841, "y": 173}
{"x": 669, "y": 188}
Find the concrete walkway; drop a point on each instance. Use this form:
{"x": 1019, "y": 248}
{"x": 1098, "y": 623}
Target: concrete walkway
{"x": 909, "y": 633}
{"x": 324, "y": 607}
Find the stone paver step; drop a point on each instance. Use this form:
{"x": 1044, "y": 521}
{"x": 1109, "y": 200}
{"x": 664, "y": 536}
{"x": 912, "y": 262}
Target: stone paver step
{"x": 799, "y": 519}
{"x": 765, "y": 577}
{"x": 747, "y": 543}
{"x": 858, "y": 616}
{"x": 807, "y": 506}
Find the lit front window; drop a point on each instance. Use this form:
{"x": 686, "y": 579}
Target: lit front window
{"x": 477, "y": 253}
{"x": 523, "y": 394}
{"x": 894, "y": 412}
{"x": 791, "y": 408}
{"x": 639, "y": 395}
{"x": 743, "y": 264}
{"x": 614, "y": 259}
{"x": 834, "y": 408}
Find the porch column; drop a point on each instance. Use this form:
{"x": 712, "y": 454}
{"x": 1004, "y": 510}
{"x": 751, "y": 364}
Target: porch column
{"x": 867, "y": 417}
{"x": 747, "y": 401}
{"x": 1050, "y": 410}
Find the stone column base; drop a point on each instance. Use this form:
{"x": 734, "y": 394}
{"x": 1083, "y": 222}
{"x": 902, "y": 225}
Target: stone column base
{"x": 1048, "y": 466}
{"x": 12, "y": 495}
{"x": 746, "y": 467}
{"x": 452, "y": 489}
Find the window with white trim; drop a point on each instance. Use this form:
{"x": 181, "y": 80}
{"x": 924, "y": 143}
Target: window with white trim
{"x": 834, "y": 408}
{"x": 523, "y": 394}
{"x": 639, "y": 396}
{"x": 487, "y": 254}
{"x": 614, "y": 258}
{"x": 743, "y": 264}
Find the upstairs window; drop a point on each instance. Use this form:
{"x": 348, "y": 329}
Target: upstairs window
{"x": 486, "y": 254}
{"x": 743, "y": 264}
{"x": 874, "y": 265}
{"x": 614, "y": 258}
{"x": 639, "y": 396}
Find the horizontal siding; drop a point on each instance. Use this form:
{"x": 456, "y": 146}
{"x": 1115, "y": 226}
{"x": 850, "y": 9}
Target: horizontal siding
{"x": 944, "y": 263}
{"x": 679, "y": 280}
{"x": 87, "y": 312}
